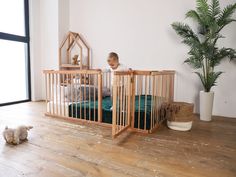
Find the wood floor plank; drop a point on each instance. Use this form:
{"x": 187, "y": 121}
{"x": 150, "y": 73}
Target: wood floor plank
{"x": 59, "y": 148}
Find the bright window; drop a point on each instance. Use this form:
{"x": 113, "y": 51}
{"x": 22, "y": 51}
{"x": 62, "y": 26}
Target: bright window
{"x": 12, "y": 17}
{"x": 14, "y": 55}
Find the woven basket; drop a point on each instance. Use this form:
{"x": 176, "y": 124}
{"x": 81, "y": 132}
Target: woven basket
{"x": 179, "y": 115}
{"x": 180, "y": 112}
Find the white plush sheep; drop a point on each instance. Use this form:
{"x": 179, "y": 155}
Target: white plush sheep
{"x": 17, "y": 135}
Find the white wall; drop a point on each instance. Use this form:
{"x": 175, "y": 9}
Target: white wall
{"x": 35, "y": 50}
{"x": 49, "y": 34}
{"x": 63, "y": 19}
{"x": 140, "y": 32}
{"x": 49, "y": 21}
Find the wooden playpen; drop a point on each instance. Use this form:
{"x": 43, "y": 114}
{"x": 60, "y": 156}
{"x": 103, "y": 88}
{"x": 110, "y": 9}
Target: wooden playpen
{"x": 133, "y": 101}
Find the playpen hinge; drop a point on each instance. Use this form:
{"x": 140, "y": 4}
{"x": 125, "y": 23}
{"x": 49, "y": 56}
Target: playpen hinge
{"x": 132, "y": 79}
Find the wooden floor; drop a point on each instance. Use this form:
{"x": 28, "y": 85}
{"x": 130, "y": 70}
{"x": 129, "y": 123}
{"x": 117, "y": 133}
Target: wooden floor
{"x": 58, "y": 148}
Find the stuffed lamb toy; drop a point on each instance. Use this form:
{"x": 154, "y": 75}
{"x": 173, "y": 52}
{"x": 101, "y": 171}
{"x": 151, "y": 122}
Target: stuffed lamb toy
{"x": 17, "y": 135}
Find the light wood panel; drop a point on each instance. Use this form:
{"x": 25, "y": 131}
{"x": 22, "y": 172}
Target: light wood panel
{"x": 57, "y": 148}
{"x": 71, "y": 40}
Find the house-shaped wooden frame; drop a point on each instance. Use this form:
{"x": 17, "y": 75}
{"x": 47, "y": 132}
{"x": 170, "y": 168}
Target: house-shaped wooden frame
{"x": 65, "y": 52}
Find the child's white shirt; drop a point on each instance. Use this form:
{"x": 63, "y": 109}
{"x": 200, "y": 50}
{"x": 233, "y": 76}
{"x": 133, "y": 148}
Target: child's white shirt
{"x": 120, "y": 67}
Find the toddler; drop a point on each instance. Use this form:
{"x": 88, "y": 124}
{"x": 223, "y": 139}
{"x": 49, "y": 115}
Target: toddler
{"x": 115, "y": 65}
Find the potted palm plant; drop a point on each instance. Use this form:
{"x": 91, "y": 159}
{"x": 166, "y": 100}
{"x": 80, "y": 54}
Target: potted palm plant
{"x": 204, "y": 53}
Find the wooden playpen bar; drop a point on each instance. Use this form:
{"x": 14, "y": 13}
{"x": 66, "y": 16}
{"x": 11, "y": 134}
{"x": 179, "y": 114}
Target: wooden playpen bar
{"x": 137, "y": 97}
{"x": 62, "y": 96}
{"x": 121, "y": 97}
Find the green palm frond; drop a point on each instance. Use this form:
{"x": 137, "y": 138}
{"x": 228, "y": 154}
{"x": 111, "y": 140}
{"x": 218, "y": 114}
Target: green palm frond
{"x": 226, "y": 14}
{"x": 225, "y": 52}
{"x": 189, "y": 37}
{"x": 194, "y": 15}
{"x": 215, "y": 8}
{"x": 226, "y": 22}
{"x": 194, "y": 62}
{"x": 210, "y": 81}
{"x": 203, "y": 11}
{"x": 202, "y": 7}
{"x": 200, "y": 75}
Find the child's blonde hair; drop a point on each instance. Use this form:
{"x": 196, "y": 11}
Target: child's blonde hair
{"x": 114, "y": 56}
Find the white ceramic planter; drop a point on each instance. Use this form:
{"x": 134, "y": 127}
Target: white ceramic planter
{"x": 206, "y": 104}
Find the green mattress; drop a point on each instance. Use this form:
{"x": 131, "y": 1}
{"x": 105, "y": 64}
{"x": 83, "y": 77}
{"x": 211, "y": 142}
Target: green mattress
{"x": 85, "y": 110}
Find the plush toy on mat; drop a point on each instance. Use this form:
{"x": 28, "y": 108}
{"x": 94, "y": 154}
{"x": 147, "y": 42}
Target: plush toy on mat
{"x": 17, "y": 135}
